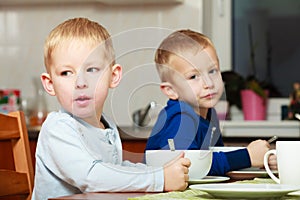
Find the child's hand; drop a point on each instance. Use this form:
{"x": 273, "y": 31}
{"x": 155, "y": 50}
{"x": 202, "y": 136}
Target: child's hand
{"x": 273, "y": 162}
{"x": 257, "y": 150}
{"x": 176, "y": 173}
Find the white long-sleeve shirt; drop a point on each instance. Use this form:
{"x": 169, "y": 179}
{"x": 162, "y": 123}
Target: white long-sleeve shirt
{"x": 74, "y": 157}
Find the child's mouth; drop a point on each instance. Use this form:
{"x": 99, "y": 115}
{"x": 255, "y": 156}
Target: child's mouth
{"x": 83, "y": 100}
{"x": 209, "y": 96}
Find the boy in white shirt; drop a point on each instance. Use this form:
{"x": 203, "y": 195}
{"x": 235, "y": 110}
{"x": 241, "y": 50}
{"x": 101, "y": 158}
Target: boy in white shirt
{"x": 79, "y": 149}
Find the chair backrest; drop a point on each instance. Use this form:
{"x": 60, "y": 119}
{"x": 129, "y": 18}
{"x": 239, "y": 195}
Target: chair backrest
{"x": 18, "y": 182}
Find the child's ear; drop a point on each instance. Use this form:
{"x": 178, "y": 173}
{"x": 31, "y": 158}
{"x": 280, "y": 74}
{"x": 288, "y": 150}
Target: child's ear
{"x": 168, "y": 90}
{"x": 116, "y": 75}
{"x": 47, "y": 83}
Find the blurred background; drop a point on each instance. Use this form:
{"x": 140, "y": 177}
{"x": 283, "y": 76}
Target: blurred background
{"x": 272, "y": 24}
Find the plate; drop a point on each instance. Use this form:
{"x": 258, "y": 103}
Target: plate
{"x": 249, "y": 173}
{"x": 233, "y": 190}
{"x": 209, "y": 179}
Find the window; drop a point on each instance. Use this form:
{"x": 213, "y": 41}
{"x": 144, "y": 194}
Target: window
{"x": 271, "y": 28}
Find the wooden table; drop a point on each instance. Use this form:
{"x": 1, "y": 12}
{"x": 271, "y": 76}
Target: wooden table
{"x": 103, "y": 195}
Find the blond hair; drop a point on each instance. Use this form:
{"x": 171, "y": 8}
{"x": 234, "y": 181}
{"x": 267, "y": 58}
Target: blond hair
{"x": 176, "y": 44}
{"x": 80, "y": 29}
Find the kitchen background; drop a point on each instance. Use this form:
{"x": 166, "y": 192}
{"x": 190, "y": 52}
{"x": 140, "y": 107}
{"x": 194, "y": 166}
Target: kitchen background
{"x": 25, "y": 25}
{"x": 137, "y": 27}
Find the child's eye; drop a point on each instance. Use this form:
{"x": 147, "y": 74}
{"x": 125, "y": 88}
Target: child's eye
{"x": 92, "y": 69}
{"x": 213, "y": 71}
{"x": 66, "y": 73}
{"x": 194, "y": 76}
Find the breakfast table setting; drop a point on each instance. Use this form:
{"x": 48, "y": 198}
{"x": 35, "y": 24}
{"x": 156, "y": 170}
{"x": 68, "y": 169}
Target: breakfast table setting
{"x": 257, "y": 188}
{"x": 248, "y": 183}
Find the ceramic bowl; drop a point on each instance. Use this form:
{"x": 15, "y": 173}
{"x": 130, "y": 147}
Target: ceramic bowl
{"x": 201, "y": 160}
{"x": 225, "y": 149}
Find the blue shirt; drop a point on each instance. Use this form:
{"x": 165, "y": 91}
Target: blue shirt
{"x": 179, "y": 121}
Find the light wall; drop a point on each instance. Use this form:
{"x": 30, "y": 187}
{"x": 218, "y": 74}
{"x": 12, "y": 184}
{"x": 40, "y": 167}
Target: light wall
{"x": 23, "y": 29}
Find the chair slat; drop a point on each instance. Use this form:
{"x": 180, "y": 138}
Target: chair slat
{"x": 8, "y": 135}
{"x": 18, "y": 183}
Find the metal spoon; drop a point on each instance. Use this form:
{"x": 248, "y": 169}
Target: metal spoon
{"x": 272, "y": 139}
{"x": 212, "y": 135}
{"x": 171, "y": 144}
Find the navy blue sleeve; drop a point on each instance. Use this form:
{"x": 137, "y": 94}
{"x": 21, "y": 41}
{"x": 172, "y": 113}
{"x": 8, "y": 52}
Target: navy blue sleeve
{"x": 224, "y": 162}
{"x": 238, "y": 159}
{"x": 220, "y": 165}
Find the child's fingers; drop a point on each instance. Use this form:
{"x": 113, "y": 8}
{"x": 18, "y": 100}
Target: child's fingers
{"x": 181, "y": 155}
{"x": 186, "y": 178}
{"x": 185, "y": 170}
{"x": 184, "y": 161}
{"x": 180, "y": 159}
{"x": 176, "y": 159}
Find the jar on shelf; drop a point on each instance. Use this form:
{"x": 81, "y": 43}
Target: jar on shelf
{"x": 9, "y": 100}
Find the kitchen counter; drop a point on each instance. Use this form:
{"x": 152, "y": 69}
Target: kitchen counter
{"x": 230, "y": 129}
{"x": 126, "y": 133}
{"x": 235, "y": 133}
{"x": 136, "y": 133}
{"x": 283, "y": 129}
{"x": 233, "y": 129}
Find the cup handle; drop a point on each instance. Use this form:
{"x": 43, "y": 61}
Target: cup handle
{"x": 266, "y": 164}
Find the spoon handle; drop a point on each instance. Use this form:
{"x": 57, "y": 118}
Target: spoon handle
{"x": 272, "y": 139}
{"x": 211, "y": 136}
{"x": 171, "y": 144}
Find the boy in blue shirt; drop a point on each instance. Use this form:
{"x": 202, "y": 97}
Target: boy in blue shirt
{"x": 79, "y": 148}
{"x": 188, "y": 66}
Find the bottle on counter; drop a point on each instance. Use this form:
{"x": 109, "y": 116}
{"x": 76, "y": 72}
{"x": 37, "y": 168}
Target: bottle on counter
{"x": 39, "y": 111}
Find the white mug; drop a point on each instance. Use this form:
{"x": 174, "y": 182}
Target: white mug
{"x": 288, "y": 162}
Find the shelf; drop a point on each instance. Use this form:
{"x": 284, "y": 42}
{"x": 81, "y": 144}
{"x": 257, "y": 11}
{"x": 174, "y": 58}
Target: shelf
{"x": 284, "y": 129}
{"x": 105, "y": 2}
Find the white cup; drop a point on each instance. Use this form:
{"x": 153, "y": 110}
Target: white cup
{"x": 288, "y": 162}
{"x": 201, "y": 160}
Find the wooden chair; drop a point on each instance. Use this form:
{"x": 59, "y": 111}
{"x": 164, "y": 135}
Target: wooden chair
{"x": 18, "y": 182}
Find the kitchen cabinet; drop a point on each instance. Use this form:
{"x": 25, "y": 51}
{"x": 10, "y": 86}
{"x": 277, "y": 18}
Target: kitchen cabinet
{"x": 134, "y": 142}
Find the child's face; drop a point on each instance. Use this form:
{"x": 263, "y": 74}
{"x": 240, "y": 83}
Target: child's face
{"x": 80, "y": 77}
{"x": 197, "y": 78}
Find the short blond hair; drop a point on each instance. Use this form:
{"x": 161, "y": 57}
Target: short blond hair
{"x": 81, "y": 29}
{"x": 176, "y": 44}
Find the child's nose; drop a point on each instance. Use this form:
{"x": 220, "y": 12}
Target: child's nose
{"x": 207, "y": 82}
{"x": 81, "y": 81}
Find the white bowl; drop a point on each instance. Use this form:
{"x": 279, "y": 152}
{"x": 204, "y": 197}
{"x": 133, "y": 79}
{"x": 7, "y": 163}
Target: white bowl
{"x": 200, "y": 160}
